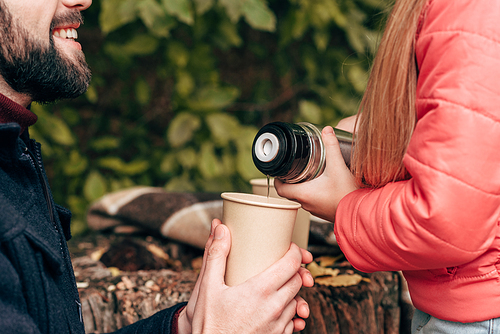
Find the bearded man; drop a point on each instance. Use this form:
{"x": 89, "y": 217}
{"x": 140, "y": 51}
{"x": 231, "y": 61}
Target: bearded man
{"x": 41, "y": 61}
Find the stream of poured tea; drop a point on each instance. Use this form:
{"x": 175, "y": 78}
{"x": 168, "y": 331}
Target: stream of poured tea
{"x": 268, "y": 185}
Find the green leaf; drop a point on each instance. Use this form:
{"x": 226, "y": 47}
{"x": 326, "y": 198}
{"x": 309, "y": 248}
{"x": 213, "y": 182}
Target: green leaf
{"x": 184, "y": 84}
{"x": 61, "y": 133}
{"x": 357, "y": 38}
{"x": 71, "y": 116}
{"x": 209, "y": 166}
{"x": 358, "y": 77}
{"x": 114, "y": 163}
{"x": 229, "y": 32}
{"x": 182, "y": 128}
{"x": 178, "y": 54}
{"x": 142, "y": 91}
{"x": 77, "y": 205}
{"x": 326, "y": 11}
{"x": 182, "y": 183}
{"x": 181, "y": 9}
{"x": 155, "y": 18}
{"x": 118, "y": 165}
{"x": 321, "y": 39}
{"x": 116, "y": 13}
{"x": 300, "y": 24}
{"x": 244, "y": 162}
{"x": 122, "y": 183}
{"x": 258, "y": 15}
{"x": 76, "y": 164}
{"x": 53, "y": 127}
{"x": 233, "y": 9}
{"x": 115, "y": 51}
{"x": 216, "y": 185}
{"x": 187, "y": 158}
{"x": 310, "y": 111}
{"x": 223, "y": 127}
{"x": 94, "y": 187}
{"x": 141, "y": 45}
{"x": 203, "y": 6}
{"x": 105, "y": 143}
{"x": 168, "y": 163}
{"x": 214, "y": 98}
{"x": 91, "y": 94}
{"x": 136, "y": 167}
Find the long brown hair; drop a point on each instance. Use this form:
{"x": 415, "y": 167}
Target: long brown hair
{"x": 387, "y": 113}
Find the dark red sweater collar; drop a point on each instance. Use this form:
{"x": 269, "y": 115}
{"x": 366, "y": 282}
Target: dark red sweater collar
{"x": 12, "y": 112}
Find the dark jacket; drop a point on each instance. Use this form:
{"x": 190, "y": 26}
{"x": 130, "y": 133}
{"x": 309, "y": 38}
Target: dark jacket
{"x": 38, "y": 292}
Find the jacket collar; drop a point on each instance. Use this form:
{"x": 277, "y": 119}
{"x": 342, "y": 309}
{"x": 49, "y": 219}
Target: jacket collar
{"x": 10, "y": 142}
{"x": 12, "y": 112}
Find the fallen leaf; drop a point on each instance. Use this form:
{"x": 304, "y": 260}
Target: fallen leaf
{"x": 339, "y": 280}
{"x": 328, "y": 261}
{"x": 114, "y": 271}
{"x": 317, "y": 270}
{"x": 97, "y": 254}
{"x": 158, "y": 252}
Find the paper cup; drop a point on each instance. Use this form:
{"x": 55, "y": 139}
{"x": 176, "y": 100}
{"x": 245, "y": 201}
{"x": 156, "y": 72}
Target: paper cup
{"x": 301, "y": 231}
{"x": 261, "y": 231}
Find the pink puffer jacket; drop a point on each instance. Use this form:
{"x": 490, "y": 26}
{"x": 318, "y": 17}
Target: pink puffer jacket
{"x": 441, "y": 227}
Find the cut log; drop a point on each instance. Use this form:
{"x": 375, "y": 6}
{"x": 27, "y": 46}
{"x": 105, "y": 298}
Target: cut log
{"x": 365, "y": 308}
{"x": 111, "y": 302}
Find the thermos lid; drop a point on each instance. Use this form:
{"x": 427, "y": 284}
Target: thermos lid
{"x": 266, "y": 147}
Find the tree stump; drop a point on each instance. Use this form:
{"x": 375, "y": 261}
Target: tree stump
{"x": 365, "y": 308}
{"x": 111, "y": 300}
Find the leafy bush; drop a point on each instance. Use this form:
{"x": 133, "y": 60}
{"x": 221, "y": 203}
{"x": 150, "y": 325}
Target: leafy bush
{"x": 181, "y": 87}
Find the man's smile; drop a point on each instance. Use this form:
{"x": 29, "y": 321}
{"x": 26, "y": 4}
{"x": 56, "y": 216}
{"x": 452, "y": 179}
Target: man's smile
{"x": 68, "y": 34}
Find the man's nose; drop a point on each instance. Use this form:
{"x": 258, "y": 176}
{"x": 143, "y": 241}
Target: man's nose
{"x": 77, "y": 4}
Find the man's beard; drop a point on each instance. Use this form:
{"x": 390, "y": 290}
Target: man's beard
{"x": 39, "y": 71}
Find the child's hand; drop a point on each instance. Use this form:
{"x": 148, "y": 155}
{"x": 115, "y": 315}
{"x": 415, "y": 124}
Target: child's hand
{"x": 322, "y": 195}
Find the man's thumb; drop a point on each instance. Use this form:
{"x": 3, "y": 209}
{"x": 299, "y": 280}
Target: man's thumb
{"x": 217, "y": 255}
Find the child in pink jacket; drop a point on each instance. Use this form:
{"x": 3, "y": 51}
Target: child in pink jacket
{"x": 423, "y": 192}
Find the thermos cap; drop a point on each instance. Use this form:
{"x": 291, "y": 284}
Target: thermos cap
{"x": 266, "y": 147}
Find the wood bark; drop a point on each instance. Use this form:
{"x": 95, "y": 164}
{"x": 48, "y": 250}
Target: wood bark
{"x": 111, "y": 302}
{"x": 365, "y": 308}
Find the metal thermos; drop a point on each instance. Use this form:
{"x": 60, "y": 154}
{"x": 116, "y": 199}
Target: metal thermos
{"x": 294, "y": 153}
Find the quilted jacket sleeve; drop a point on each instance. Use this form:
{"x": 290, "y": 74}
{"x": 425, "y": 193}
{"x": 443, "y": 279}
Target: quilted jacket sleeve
{"x": 447, "y": 214}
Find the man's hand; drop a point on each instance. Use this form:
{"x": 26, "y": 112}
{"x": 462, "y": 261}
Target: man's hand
{"x": 266, "y": 303}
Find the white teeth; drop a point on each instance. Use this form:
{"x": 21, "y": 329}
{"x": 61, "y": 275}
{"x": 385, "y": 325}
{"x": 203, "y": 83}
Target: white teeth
{"x": 69, "y": 33}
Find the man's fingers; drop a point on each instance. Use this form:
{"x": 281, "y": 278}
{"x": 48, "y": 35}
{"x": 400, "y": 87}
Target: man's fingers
{"x": 216, "y": 257}
{"x": 214, "y": 224}
{"x": 278, "y": 274}
{"x": 298, "y": 324}
{"x": 307, "y": 257}
{"x": 287, "y": 316}
{"x": 307, "y": 279}
{"x": 302, "y": 307}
